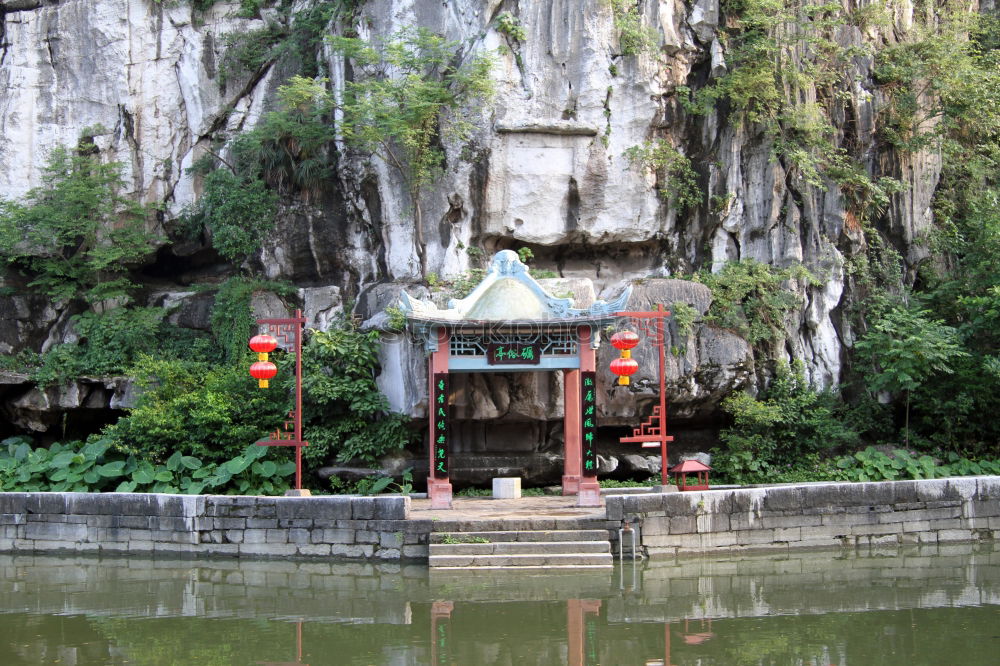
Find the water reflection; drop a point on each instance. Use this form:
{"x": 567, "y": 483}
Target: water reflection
{"x": 939, "y": 605}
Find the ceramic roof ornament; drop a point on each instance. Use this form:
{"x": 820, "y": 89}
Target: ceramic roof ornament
{"x": 509, "y": 293}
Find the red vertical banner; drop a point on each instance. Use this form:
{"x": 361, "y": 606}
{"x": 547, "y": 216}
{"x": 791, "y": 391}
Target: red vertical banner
{"x": 439, "y": 425}
{"x": 588, "y": 424}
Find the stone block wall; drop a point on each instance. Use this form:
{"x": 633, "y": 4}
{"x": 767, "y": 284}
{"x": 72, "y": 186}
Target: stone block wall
{"x": 371, "y": 528}
{"x": 814, "y": 516}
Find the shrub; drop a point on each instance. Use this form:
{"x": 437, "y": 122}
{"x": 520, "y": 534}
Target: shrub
{"x": 94, "y": 466}
{"x": 346, "y": 414}
{"x": 76, "y": 234}
{"x": 678, "y": 181}
{"x": 790, "y": 421}
{"x": 195, "y": 409}
{"x": 238, "y": 213}
{"x": 750, "y": 298}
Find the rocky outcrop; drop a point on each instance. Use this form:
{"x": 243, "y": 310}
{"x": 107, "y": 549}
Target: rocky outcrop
{"x": 546, "y": 168}
{"x": 70, "y": 409}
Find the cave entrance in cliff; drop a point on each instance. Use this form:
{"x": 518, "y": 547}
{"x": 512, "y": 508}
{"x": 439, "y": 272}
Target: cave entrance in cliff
{"x": 509, "y": 323}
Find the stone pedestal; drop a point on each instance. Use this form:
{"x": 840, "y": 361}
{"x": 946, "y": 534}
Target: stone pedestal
{"x": 440, "y": 493}
{"x": 589, "y": 493}
{"x": 301, "y": 492}
{"x": 507, "y": 488}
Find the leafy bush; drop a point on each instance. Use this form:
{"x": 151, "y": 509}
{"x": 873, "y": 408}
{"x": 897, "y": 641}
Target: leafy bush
{"x": 510, "y": 26}
{"x": 905, "y": 348}
{"x": 373, "y": 485}
{"x": 94, "y": 466}
{"x": 238, "y": 212}
{"x": 633, "y": 36}
{"x": 777, "y": 432}
{"x": 290, "y": 147}
{"x": 76, "y": 234}
{"x": 411, "y": 93}
{"x": 247, "y": 52}
{"x": 750, "y": 298}
{"x": 684, "y": 317}
{"x": 196, "y": 409}
{"x": 872, "y": 464}
{"x": 110, "y": 342}
{"x": 678, "y": 182}
{"x": 232, "y": 320}
{"x": 345, "y": 413}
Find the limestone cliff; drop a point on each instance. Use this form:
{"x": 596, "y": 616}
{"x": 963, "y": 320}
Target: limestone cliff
{"x": 548, "y": 168}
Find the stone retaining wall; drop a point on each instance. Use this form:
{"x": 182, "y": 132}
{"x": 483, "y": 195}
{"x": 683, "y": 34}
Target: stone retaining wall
{"x": 814, "y": 516}
{"x": 186, "y": 525}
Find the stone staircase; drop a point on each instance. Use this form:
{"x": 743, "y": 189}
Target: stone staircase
{"x": 522, "y": 549}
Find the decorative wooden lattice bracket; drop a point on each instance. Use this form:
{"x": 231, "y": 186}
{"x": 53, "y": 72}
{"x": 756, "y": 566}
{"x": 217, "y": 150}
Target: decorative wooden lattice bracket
{"x": 648, "y": 433}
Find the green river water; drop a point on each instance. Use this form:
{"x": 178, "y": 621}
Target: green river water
{"x": 921, "y": 606}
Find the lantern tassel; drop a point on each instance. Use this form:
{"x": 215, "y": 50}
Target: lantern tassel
{"x": 262, "y": 383}
{"x": 262, "y": 356}
{"x": 623, "y": 380}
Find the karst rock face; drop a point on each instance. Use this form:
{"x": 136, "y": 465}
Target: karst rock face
{"x": 545, "y": 168}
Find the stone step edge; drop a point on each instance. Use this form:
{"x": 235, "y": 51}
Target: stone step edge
{"x": 587, "y": 547}
{"x": 512, "y": 560}
{"x": 524, "y": 567}
{"x": 503, "y": 536}
{"x": 518, "y": 525}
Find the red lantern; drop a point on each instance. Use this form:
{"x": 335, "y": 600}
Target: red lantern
{"x": 623, "y": 367}
{"x": 262, "y": 371}
{"x": 263, "y": 344}
{"x": 624, "y": 340}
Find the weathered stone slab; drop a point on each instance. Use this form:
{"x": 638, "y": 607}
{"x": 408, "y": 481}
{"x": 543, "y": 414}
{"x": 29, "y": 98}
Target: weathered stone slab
{"x": 11, "y": 503}
{"x": 330, "y": 508}
{"x": 67, "y": 532}
{"x": 363, "y": 508}
{"x": 392, "y": 508}
{"x": 268, "y": 549}
{"x": 788, "y": 498}
{"x": 45, "y": 503}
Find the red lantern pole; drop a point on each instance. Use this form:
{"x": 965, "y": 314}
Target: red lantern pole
{"x": 291, "y": 330}
{"x": 641, "y": 319}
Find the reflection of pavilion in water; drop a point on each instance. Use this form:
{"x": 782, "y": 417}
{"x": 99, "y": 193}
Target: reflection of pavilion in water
{"x": 581, "y": 632}
{"x": 701, "y": 633}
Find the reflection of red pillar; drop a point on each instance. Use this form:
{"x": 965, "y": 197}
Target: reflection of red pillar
{"x": 298, "y": 651}
{"x": 576, "y": 628}
{"x": 571, "y": 432}
{"x": 589, "y": 493}
{"x": 438, "y": 487}
{"x": 440, "y": 613}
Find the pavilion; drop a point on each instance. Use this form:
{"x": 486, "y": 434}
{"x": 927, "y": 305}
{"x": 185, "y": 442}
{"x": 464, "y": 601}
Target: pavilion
{"x": 509, "y": 323}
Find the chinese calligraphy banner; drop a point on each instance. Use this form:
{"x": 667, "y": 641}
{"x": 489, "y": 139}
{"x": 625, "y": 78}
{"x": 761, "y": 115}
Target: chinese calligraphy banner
{"x": 588, "y": 424}
{"x": 513, "y": 354}
{"x": 439, "y": 425}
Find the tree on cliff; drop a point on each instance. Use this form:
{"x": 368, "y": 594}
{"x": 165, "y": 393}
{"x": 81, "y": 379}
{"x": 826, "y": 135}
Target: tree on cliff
{"x": 411, "y": 92}
{"x": 76, "y": 234}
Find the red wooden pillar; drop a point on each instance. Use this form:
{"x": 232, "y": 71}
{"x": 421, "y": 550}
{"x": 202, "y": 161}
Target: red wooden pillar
{"x": 589, "y": 492}
{"x": 571, "y": 432}
{"x": 438, "y": 485}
